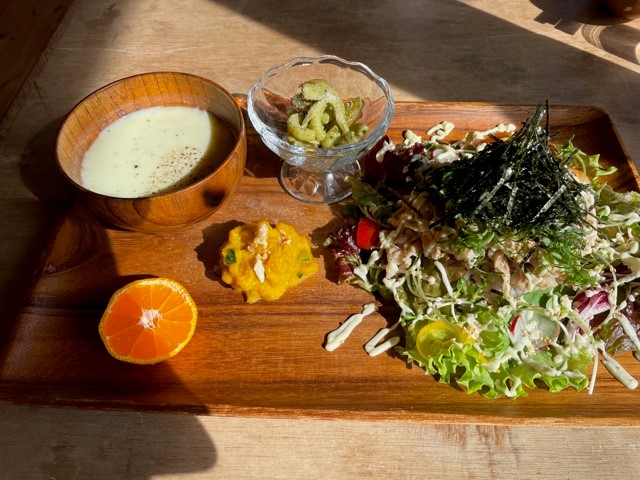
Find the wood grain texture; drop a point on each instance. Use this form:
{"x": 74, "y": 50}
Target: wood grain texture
{"x": 25, "y": 29}
{"x": 268, "y": 358}
{"x": 494, "y": 51}
{"x": 64, "y": 443}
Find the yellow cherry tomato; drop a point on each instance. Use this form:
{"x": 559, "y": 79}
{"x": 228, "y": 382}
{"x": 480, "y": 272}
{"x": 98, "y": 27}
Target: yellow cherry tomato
{"x": 437, "y": 335}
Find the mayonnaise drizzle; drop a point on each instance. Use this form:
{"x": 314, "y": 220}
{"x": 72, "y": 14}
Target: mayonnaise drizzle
{"x": 618, "y": 372}
{"x": 372, "y": 347}
{"x": 340, "y": 334}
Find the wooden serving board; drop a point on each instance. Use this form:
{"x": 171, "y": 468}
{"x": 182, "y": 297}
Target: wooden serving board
{"x": 268, "y": 358}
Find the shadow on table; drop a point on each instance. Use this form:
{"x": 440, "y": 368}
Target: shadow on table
{"x": 40, "y": 175}
{"x": 61, "y": 443}
{"x": 596, "y": 23}
{"x": 52, "y": 355}
{"x": 451, "y": 51}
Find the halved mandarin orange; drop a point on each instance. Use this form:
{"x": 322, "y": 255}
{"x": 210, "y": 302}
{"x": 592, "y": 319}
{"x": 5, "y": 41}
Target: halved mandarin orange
{"x": 148, "y": 321}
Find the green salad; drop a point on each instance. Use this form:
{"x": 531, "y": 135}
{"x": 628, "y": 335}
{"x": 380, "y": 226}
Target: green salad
{"x": 511, "y": 263}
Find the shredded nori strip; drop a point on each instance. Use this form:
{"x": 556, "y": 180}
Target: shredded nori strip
{"x": 512, "y": 185}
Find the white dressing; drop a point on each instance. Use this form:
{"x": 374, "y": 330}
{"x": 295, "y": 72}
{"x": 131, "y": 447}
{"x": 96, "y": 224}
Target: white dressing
{"x": 340, "y": 334}
{"x": 373, "y": 348}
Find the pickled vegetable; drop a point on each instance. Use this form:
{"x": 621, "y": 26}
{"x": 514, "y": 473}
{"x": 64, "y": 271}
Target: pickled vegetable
{"x": 320, "y": 118}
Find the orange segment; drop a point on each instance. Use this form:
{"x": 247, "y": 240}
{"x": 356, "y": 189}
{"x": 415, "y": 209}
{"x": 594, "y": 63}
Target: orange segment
{"x": 148, "y": 321}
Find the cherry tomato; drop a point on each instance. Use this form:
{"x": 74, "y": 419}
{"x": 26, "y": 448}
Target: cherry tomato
{"x": 367, "y": 233}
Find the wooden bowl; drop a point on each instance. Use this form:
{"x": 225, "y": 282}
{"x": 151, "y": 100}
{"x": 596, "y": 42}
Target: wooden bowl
{"x": 163, "y": 212}
{"x": 624, "y": 8}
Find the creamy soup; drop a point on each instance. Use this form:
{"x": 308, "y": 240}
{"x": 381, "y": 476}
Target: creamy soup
{"x": 155, "y": 150}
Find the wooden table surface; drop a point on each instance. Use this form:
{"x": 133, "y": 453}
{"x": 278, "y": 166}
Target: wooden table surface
{"x": 502, "y": 51}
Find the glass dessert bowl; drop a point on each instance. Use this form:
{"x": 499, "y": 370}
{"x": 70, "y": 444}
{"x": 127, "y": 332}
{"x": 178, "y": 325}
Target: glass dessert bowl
{"x": 313, "y": 173}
